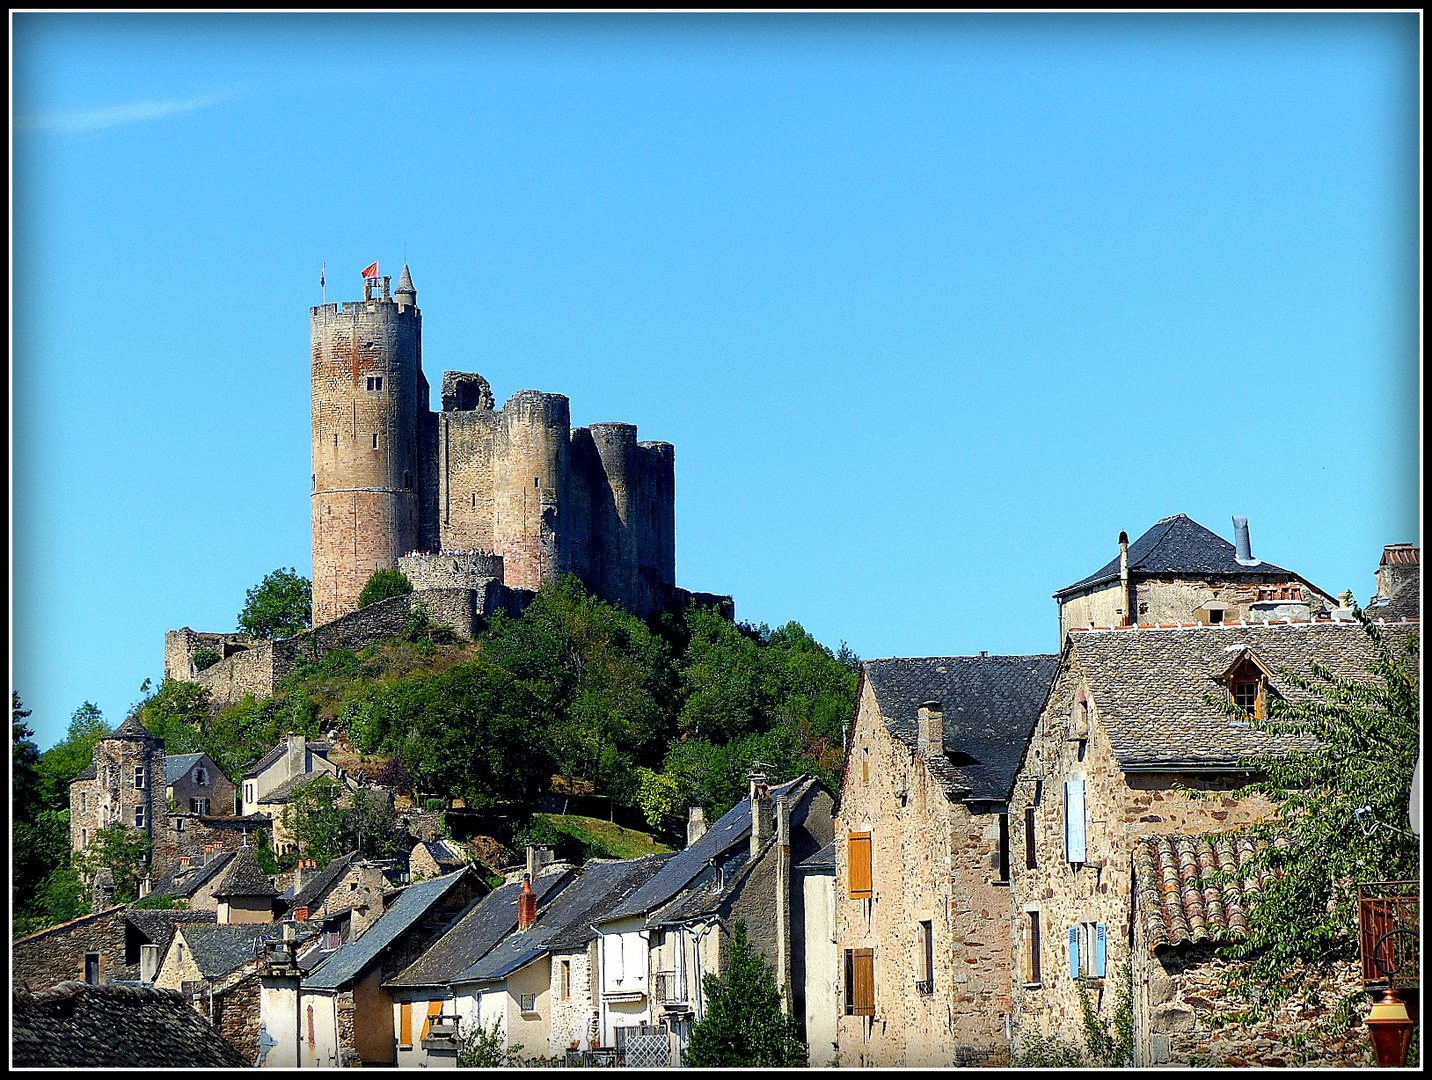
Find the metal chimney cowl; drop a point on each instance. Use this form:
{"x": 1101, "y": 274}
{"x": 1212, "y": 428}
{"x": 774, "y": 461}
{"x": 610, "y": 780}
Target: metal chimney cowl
{"x": 1243, "y": 547}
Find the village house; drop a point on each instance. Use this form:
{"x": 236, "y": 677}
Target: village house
{"x": 111, "y": 945}
{"x": 815, "y": 882}
{"x": 341, "y": 1014}
{"x": 1132, "y": 744}
{"x": 267, "y": 784}
{"x": 922, "y": 859}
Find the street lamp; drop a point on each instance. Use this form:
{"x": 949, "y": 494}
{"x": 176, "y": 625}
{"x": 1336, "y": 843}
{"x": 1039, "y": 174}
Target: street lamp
{"x": 1391, "y": 1030}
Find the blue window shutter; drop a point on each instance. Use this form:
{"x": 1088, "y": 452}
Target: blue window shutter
{"x": 1073, "y": 952}
{"x": 1101, "y": 948}
{"x": 1074, "y": 847}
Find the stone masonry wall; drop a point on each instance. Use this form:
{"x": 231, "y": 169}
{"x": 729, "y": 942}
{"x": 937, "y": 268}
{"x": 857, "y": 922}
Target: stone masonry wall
{"x": 1120, "y": 807}
{"x": 933, "y": 861}
{"x": 572, "y": 1016}
{"x": 236, "y": 1015}
{"x": 1184, "y": 1016}
{"x": 57, "y": 953}
{"x": 1175, "y": 600}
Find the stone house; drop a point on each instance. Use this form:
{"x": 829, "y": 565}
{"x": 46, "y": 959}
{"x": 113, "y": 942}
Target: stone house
{"x": 1178, "y": 571}
{"x": 345, "y": 1012}
{"x": 195, "y": 785}
{"x": 76, "y": 1025}
{"x": 1399, "y": 583}
{"x": 246, "y": 894}
{"x": 1132, "y": 743}
{"x": 422, "y": 992}
{"x": 342, "y": 899}
{"x": 293, "y": 761}
{"x": 115, "y": 944}
{"x": 193, "y": 878}
{"x": 202, "y": 956}
{"x": 922, "y": 857}
{"x": 434, "y": 858}
{"x": 815, "y": 881}
{"x": 1179, "y": 998}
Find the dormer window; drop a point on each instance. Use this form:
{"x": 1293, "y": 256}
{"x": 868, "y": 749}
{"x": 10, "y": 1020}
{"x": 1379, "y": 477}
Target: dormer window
{"x": 1248, "y": 686}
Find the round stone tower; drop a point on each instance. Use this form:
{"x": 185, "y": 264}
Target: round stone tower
{"x": 530, "y": 471}
{"x": 368, "y": 391}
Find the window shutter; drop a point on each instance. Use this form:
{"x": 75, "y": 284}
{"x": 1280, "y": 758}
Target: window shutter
{"x": 864, "y": 973}
{"x": 405, "y": 1024}
{"x": 1073, "y": 952}
{"x": 1101, "y": 948}
{"x": 434, "y": 1008}
{"x": 1074, "y": 821}
{"x": 859, "y": 866}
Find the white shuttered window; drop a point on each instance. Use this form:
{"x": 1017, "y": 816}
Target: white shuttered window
{"x": 1074, "y": 843}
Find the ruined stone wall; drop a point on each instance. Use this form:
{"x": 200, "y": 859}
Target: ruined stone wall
{"x": 368, "y": 392}
{"x": 1120, "y": 807}
{"x": 57, "y": 953}
{"x": 181, "y": 645}
{"x": 452, "y": 570}
{"x": 656, "y": 509}
{"x": 253, "y": 671}
{"x": 236, "y": 1014}
{"x": 1184, "y": 1015}
{"x": 934, "y": 861}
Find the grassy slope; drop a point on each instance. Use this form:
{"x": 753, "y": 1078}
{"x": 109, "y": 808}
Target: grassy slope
{"x": 620, "y": 842}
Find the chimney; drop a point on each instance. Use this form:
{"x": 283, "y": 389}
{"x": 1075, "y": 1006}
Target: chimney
{"x": 537, "y": 857}
{"x": 760, "y": 812}
{"x": 146, "y": 886}
{"x": 695, "y": 825}
{"x": 295, "y": 761}
{"x": 930, "y": 729}
{"x": 1124, "y": 596}
{"x": 1243, "y": 546}
{"x": 526, "y": 903}
{"x": 148, "y": 963}
{"x": 1400, "y": 569}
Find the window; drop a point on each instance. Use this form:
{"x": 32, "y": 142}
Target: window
{"x": 564, "y": 980}
{"x": 865, "y": 764}
{"x": 1074, "y": 840}
{"x": 139, "y": 776}
{"x": 536, "y": 481}
{"x": 859, "y": 982}
{"x": 1215, "y": 615}
{"x": 199, "y": 806}
{"x": 84, "y": 839}
{"x": 249, "y": 794}
{"x": 139, "y": 817}
{"x": 92, "y": 968}
{"x": 1029, "y": 860}
{"x": 859, "y": 875}
{"x": 1088, "y": 946}
{"x": 405, "y": 1023}
{"x": 375, "y": 382}
{"x": 178, "y": 824}
{"x": 84, "y": 802}
{"x": 925, "y": 959}
{"x": 407, "y": 480}
{"x": 1031, "y": 966}
{"x": 474, "y": 500}
{"x": 335, "y": 440}
{"x": 1247, "y": 688}
{"x": 1003, "y": 863}
{"x": 201, "y": 776}
{"x": 528, "y": 1003}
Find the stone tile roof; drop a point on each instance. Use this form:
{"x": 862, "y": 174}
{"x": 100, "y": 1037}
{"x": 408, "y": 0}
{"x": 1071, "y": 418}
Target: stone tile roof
{"x": 824, "y": 859}
{"x": 157, "y": 926}
{"x": 245, "y": 877}
{"x": 481, "y": 928}
{"x": 1172, "y": 902}
{"x": 1148, "y": 683}
{"x": 176, "y": 766}
{"x": 705, "y": 894}
{"x": 1176, "y": 545}
{"x": 219, "y": 948}
{"x": 187, "y": 884}
{"x": 284, "y": 790}
{"x": 990, "y": 706}
{"x": 314, "y": 888}
{"x": 73, "y": 1025}
{"x": 69, "y": 924}
{"x": 133, "y": 729}
{"x": 411, "y": 907}
{"x": 1405, "y": 605}
{"x": 87, "y": 773}
{"x": 441, "y": 853}
{"x": 733, "y": 828}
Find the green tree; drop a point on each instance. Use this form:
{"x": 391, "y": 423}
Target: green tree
{"x": 383, "y": 585}
{"x": 486, "y": 1048}
{"x": 25, "y": 761}
{"x": 744, "y": 1025}
{"x": 120, "y": 850}
{"x": 70, "y": 756}
{"x": 278, "y": 606}
{"x": 316, "y": 818}
{"x": 1361, "y": 739}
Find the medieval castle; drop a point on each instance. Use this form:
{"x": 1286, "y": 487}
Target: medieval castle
{"x": 477, "y": 506}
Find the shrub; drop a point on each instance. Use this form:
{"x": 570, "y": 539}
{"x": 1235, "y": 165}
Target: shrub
{"x": 383, "y": 585}
{"x": 205, "y": 659}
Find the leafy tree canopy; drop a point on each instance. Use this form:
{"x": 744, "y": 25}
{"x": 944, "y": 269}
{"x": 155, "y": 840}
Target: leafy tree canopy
{"x": 327, "y": 820}
{"x": 744, "y": 1026}
{"x": 278, "y": 606}
{"x": 383, "y": 585}
{"x": 120, "y": 850}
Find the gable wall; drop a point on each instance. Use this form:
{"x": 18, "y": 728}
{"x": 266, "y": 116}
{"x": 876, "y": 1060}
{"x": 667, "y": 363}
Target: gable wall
{"x": 58, "y": 954}
{"x": 935, "y": 861}
{"x": 571, "y": 1016}
{"x": 1119, "y": 808}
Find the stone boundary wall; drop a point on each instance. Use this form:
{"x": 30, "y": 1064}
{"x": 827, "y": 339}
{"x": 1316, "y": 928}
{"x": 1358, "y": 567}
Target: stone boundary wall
{"x": 236, "y": 1014}
{"x": 452, "y": 570}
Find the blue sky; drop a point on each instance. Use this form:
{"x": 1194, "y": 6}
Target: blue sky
{"x": 931, "y": 306}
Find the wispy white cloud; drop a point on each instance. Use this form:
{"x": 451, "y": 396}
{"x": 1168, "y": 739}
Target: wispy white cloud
{"x": 133, "y": 112}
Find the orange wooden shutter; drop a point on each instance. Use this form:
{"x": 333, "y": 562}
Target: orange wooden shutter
{"x": 405, "y": 1024}
{"x": 859, "y": 866}
{"x": 434, "y": 1008}
{"x": 864, "y": 980}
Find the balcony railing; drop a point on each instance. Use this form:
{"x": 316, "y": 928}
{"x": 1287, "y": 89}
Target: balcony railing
{"x": 669, "y": 990}
{"x": 1387, "y": 932}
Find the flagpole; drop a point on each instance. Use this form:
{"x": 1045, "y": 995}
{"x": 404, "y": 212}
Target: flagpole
{"x": 323, "y": 280}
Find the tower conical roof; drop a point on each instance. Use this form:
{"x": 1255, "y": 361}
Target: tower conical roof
{"x": 405, "y": 283}
{"x": 245, "y": 878}
{"x": 132, "y": 729}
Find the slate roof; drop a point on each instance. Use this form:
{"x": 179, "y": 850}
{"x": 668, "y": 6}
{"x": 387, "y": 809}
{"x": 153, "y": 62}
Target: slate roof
{"x": 219, "y": 948}
{"x": 195, "y": 878}
{"x": 441, "y": 853}
{"x": 824, "y": 859}
{"x": 74, "y": 1025}
{"x": 320, "y": 883}
{"x": 1148, "y": 684}
{"x": 706, "y": 892}
{"x": 268, "y": 759}
{"x": 87, "y": 773}
{"x": 566, "y": 922}
{"x": 733, "y": 828}
{"x": 245, "y": 877}
{"x": 1173, "y": 904}
{"x": 157, "y": 926}
{"x": 177, "y": 766}
{"x": 990, "y": 706}
{"x": 133, "y": 729}
{"x": 475, "y": 933}
{"x": 410, "y": 908}
{"x": 1176, "y": 545}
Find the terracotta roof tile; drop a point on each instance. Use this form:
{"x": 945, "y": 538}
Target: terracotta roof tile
{"x": 1174, "y": 903}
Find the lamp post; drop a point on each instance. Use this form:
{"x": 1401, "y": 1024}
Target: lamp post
{"x": 1391, "y": 1030}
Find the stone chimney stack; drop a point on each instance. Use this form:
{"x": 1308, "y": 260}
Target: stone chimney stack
{"x": 1400, "y": 569}
{"x": 526, "y": 903}
{"x": 294, "y": 762}
{"x": 1243, "y": 546}
{"x": 760, "y": 812}
{"x": 695, "y": 825}
{"x": 930, "y": 729}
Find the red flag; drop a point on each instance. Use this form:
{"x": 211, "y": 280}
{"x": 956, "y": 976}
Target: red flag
{"x": 371, "y": 271}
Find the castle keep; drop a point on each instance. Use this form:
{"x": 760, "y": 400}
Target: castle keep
{"x": 514, "y": 495}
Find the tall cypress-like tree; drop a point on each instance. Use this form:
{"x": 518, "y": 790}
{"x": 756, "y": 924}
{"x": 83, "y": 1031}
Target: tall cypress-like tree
{"x": 744, "y": 1025}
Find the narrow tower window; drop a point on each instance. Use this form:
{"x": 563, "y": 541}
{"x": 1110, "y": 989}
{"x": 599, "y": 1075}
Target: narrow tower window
{"x": 375, "y": 440}
{"x": 375, "y": 382}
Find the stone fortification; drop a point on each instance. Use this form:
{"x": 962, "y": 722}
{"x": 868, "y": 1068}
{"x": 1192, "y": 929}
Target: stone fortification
{"x": 451, "y": 570}
{"x": 391, "y": 477}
